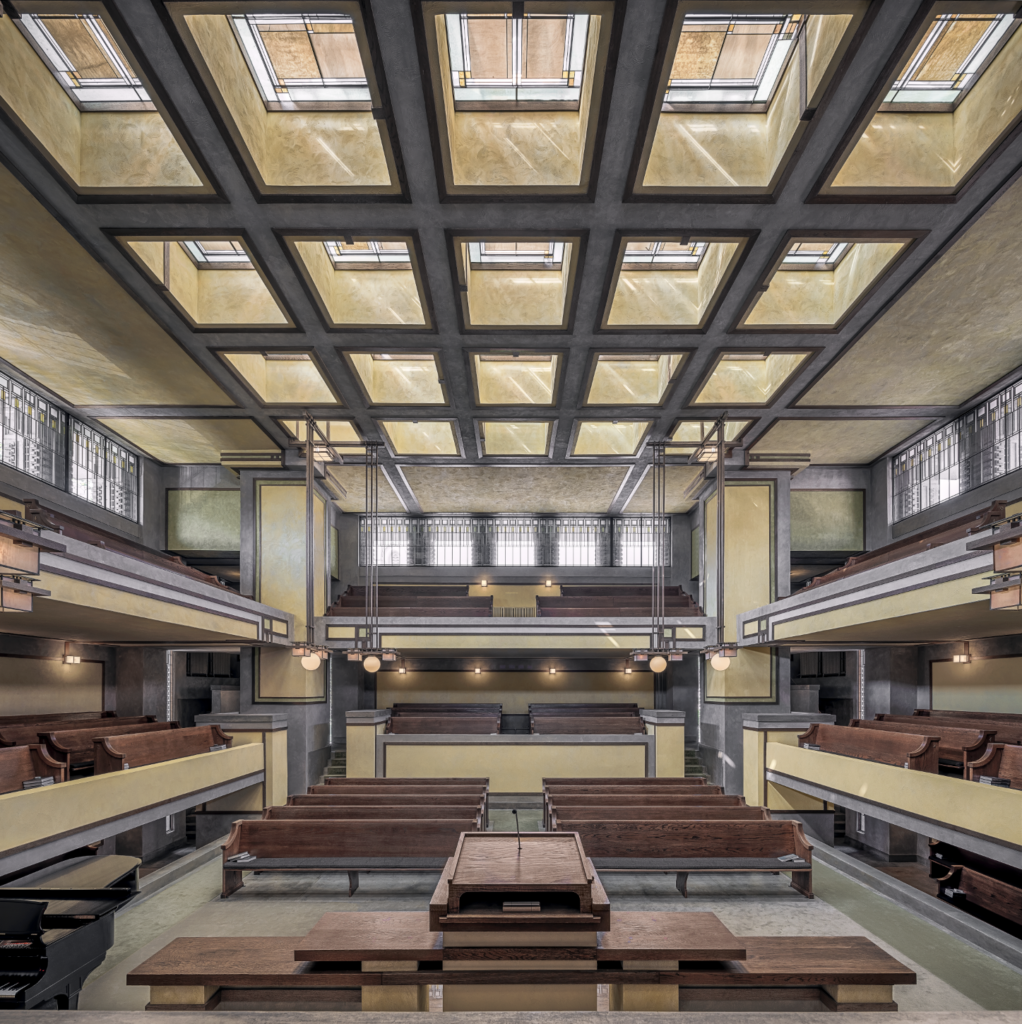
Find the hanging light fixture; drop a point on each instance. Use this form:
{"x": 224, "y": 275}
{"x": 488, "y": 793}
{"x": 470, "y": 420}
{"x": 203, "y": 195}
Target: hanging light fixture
{"x": 311, "y": 655}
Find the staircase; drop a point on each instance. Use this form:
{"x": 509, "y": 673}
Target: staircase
{"x": 338, "y": 765}
{"x": 693, "y": 766}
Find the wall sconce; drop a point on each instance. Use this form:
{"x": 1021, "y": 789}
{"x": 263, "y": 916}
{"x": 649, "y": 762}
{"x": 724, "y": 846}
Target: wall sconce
{"x": 70, "y": 659}
{"x": 628, "y": 671}
{"x": 483, "y": 583}
{"x": 553, "y": 671}
{"x": 402, "y": 670}
{"x": 965, "y": 657}
{"x": 478, "y": 671}
{"x": 548, "y": 583}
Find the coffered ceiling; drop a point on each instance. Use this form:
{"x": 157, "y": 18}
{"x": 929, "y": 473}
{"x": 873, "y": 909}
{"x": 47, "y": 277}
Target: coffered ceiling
{"x": 429, "y": 271}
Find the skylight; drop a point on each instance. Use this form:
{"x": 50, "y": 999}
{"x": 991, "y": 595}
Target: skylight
{"x": 501, "y": 62}
{"x": 369, "y": 255}
{"x": 632, "y": 378}
{"x": 515, "y": 255}
{"x": 815, "y": 255}
{"x": 950, "y": 58}
{"x": 606, "y": 437}
{"x": 526, "y": 378}
{"x": 505, "y": 437}
{"x": 421, "y": 437}
{"x": 220, "y": 255}
{"x": 731, "y": 58}
{"x": 84, "y": 58}
{"x": 663, "y": 255}
{"x": 405, "y": 378}
{"x": 307, "y": 61}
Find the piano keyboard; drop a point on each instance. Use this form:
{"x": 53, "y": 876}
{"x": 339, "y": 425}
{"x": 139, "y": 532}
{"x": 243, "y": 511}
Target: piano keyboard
{"x": 9, "y": 989}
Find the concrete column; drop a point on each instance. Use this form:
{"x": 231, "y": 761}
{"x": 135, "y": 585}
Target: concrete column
{"x": 141, "y": 680}
{"x": 668, "y": 727}
{"x": 362, "y": 728}
{"x": 680, "y": 692}
{"x": 891, "y": 679}
{"x": 346, "y": 682}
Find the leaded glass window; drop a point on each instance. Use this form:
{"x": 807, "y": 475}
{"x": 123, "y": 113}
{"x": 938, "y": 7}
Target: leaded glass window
{"x": 369, "y": 255}
{"x": 498, "y": 61}
{"x": 815, "y": 255}
{"x": 33, "y": 434}
{"x": 513, "y": 255}
{"x": 731, "y": 58}
{"x": 103, "y": 472}
{"x": 304, "y": 61}
{"x": 661, "y": 255}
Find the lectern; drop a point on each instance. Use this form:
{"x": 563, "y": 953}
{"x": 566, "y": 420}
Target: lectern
{"x": 524, "y": 903}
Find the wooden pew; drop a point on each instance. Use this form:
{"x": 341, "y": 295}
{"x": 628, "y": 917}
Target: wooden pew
{"x": 392, "y": 845}
{"x": 326, "y": 796}
{"x": 476, "y": 725}
{"x": 564, "y": 816}
{"x": 335, "y": 780}
{"x": 638, "y": 782}
{"x": 701, "y": 847}
{"x": 23, "y": 764}
{"x": 18, "y": 734}
{"x": 1008, "y": 727}
{"x": 906, "y": 750}
{"x": 966, "y": 885}
{"x": 1002, "y": 761}
{"x": 596, "y": 725}
{"x": 957, "y": 746}
{"x": 448, "y": 709}
{"x": 76, "y": 746}
{"x": 55, "y": 716}
{"x": 327, "y": 812}
{"x": 132, "y": 750}
{"x": 708, "y": 796}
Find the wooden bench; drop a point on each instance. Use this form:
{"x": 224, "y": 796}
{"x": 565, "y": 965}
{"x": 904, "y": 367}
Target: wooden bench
{"x": 19, "y": 765}
{"x": 595, "y": 725}
{"x": 1002, "y": 761}
{"x": 700, "y": 847}
{"x": 77, "y": 746}
{"x": 563, "y": 817}
{"x": 439, "y": 783}
{"x": 1008, "y": 727}
{"x": 906, "y": 750}
{"x": 608, "y": 708}
{"x": 332, "y": 812}
{"x": 957, "y": 746}
{"x": 637, "y": 781}
{"x": 132, "y": 750}
{"x": 55, "y": 716}
{"x": 448, "y": 709}
{"x": 352, "y": 846}
{"x": 325, "y": 796}
{"x": 965, "y": 885}
{"x": 20, "y": 733}
{"x": 603, "y": 796}
{"x": 423, "y": 725}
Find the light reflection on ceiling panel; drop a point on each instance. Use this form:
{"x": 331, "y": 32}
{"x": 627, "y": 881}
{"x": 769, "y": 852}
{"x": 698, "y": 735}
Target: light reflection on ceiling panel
{"x": 67, "y": 324}
{"x": 627, "y": 378}
{"x": 404, "y": 378}
{"x": 523, "y": 378}
{"x": 421, "y": 437}
{"x": 282, "y": 378}
{"x": 507, "y": 437}
{"x": 749, "y": 378}
{"x": 681, "y": 488}
{"x": 190, "y": 442}
{"x": 604, "y": 437}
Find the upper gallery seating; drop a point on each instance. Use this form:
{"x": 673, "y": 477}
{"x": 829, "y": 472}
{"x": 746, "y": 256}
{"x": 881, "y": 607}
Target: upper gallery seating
{"x": 30, "y": 730}
{"x": 1001, "y": 761}
{"x": 1007, "y": 727}
{"x": 426, "y": 719}
{"x": 55, "y": 716}
{"x": 902, "y": 749}
{"x": 64, "y": 524}
{"x": 19, "y": 765}
{"x": 419, "y": 602}
{"x": 75, "y": 748}
{"x": 587, "y": 602}
{"x": 585, "y": 719}
{"x": 957, "y": 529}
{"x": 132, "y": 750}
{"x": 958, "y": 745}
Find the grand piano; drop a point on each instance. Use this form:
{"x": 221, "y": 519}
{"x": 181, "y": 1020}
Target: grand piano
{"x": 54, "y": 933}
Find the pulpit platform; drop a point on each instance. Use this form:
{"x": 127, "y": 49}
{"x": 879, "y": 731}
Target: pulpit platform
{"x": 522, "y": 929}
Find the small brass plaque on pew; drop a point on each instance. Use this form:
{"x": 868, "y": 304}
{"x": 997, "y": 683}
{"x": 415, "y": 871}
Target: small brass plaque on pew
{"x": 39, "y": 780}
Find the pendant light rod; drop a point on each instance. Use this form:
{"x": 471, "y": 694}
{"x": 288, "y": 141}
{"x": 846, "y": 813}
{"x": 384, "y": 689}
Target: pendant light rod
{"x": 721, "y": 488}
{"x": 310, "y": 529}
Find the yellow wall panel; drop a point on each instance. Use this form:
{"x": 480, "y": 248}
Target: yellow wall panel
{"x": 985, "y": 684}
{"x": 30, "y": 686}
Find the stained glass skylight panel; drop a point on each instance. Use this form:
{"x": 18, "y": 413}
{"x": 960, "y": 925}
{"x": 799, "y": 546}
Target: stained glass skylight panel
{"x": 502, "y": 255}
{"x": 369, "y": 255}
{"x": 731, "y": 58}
{"x": 815, "y": 255}
{"x": 659, "y": 255}
{"x": 83, "y": 56}
{"x": 498, "y": 61}
{"x": 952, "y": 55}
{"x": 304, "y": 60}
{"x": 222, "y": 255}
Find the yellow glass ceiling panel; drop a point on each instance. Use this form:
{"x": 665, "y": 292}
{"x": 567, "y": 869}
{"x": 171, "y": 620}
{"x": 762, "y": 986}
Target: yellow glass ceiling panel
{"x": 696, "y": 431}
{"x": 403, "y": 379}
{"x": 282, "y": 378}
{"x": 503, "y": 437}
{"x": 749, "y": 378}
{"x": 506, "y": 288}
{"x": 526, "y": 379}
{"x": 422, "y": 437}
{"x": 190, "y": 442}
{"x": 633, "y": 379}
{"x": 602, "y": 437}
